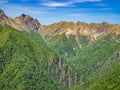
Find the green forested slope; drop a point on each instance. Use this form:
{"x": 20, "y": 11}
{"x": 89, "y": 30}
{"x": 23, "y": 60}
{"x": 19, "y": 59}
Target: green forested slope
{"x": 24, "y": 62}
{"x": 95, "y": 61}
{"x": 63, "y": 45}
{"x": 98, "y": 64}
{"x": 109, "y": 80}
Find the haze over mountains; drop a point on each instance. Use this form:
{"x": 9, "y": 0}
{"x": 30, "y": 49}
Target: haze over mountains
{"x": 59, "y": 56}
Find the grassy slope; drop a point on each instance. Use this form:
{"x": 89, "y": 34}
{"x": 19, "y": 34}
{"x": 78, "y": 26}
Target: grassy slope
{"x": 23, "y": 62}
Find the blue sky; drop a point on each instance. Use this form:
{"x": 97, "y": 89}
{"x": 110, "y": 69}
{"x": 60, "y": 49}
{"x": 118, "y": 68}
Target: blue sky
{"x": 51, "y": 11}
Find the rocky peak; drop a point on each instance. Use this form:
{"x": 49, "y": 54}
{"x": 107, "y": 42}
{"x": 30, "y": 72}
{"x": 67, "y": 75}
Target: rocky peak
{"x": 26, "y": 17}
{"x": 27, "y": 22}
{"x": 23, "y": 15}
{"x": 2, "y": 13}
{"x": 3, "y": 18}
{"x": 23, "y": 22}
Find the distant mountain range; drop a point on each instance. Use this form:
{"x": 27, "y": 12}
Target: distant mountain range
{"x": 59, "y": 56}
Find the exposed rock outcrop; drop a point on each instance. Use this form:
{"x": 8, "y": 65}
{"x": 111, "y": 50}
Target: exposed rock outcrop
{"x": 60, "y": 70}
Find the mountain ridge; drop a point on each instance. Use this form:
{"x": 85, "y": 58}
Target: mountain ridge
{"x": 26, "y": 22}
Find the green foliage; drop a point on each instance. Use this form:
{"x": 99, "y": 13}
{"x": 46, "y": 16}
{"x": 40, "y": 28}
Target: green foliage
{"x": 97, "y": 61}
{"x": 84, "y": 40}
{"x": 23, "y": 62}
{"x": 37, "y": 37}
{"x": 63, "y": 45}
{"x": 110, "y": 80}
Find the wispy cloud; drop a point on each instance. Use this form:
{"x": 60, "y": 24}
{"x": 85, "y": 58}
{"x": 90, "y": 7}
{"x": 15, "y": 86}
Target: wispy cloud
{"x": 56, "y": 4}
{"x": 67, "y": 3}
{"x": 101, "y": 5}
{"x": 16, "y": 10}
{"x": 3, "y": 1}
{"x": 85, "y": 0}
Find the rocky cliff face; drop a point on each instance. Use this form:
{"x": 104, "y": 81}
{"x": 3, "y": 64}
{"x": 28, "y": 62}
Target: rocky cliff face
{"x": 24, "y": 22}
{"x": 62, "y": 72}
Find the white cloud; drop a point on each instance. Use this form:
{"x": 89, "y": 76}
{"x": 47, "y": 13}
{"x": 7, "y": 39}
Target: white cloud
{"x": 56, "y": 4}
{"x": 67, "y": 3}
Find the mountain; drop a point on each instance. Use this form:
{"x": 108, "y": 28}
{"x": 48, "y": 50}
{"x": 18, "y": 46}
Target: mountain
{"x": 66, "y": 38}
{"x": 63, "y": 55}
{"x": 92, "y": 49}
{"x": 24, "y": 22}
{"x": 28, "y": 64}
{"x": 92, "y": 30}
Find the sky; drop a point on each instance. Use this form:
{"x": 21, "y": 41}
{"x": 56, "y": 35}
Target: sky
{"x": 51, "y": 11}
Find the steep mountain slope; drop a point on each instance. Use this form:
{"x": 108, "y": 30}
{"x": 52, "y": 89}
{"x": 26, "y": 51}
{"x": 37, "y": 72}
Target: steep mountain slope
{"x": 98, "y": 61}
{"x": 28, "y": 64}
